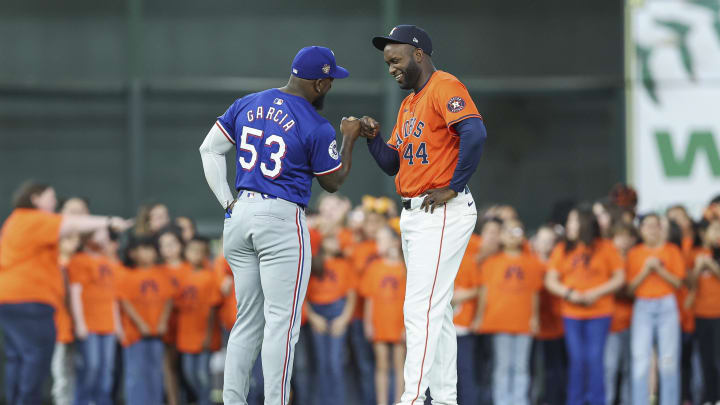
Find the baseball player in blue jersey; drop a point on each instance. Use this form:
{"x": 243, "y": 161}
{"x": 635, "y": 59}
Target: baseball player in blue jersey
{"x": 281, "y": 143}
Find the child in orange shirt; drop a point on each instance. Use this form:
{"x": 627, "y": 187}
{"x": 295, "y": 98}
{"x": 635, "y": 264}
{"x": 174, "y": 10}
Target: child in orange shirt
{"x": 197, "y": 305}
{"x": 510, "y": 283}
{"x": 617, "y": 348}
{"x": 706, "y": 277}
{"x": 96, "y": 317}
{"x": 585, "y": 271}
{"x": 383, "y": 286}
{"x": 146, "y": 300}
{"x": 655, "y": 270}
{"x": 171, "y": 246}
{"x": 550, "y": 340}
{"x": 332, "y": 297}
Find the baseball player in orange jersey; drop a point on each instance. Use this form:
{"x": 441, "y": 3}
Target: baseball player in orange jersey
{"x": 432, "y": 152}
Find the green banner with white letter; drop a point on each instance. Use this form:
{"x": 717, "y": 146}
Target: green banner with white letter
{"x": 673, "y": 100}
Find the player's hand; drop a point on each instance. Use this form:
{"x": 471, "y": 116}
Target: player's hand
{"x": 437, "y": 197}
{"x": 350, "y": 126}
{"x": 119, "y": 225}
{"x": 369, "y": 127}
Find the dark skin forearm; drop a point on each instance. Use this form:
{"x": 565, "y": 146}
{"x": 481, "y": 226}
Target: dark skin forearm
{"x": 350, "y": 128}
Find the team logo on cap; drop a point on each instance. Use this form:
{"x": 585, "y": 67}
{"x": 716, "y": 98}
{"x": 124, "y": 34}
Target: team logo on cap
{"x": 456, "y": 104}
{"x": 326, "y": 69}
{"x": 392, "y": 30}
{"x": 332, "y": 150}
{"x": 415, "y": 40}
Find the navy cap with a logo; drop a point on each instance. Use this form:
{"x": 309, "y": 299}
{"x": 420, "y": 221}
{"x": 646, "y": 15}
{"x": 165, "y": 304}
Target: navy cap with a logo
{"x": 406, "y": 34}
{"x": 317, "y": 62}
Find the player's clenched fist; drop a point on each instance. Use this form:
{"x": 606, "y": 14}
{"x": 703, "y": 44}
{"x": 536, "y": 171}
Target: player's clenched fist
{"x": 369, "y": 127}
{"x": 350, "y": 126}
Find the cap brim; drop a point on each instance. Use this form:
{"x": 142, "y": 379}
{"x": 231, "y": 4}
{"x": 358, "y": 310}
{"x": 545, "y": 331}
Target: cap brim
{"x": 380, "y": 42}
{"x": 340, "y": 73}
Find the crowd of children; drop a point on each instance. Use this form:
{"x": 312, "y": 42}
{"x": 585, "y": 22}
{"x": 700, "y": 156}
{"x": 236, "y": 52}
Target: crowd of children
{"x": 607, "y": 307}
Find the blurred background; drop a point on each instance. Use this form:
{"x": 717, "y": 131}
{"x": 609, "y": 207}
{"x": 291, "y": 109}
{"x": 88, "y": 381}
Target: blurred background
{"x": 110, "y": 100}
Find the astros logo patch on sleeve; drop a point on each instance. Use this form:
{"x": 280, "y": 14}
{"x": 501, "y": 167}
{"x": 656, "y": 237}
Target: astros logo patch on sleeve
{"x": 456, "y": 104}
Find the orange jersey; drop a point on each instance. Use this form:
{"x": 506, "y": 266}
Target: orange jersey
{"x": 551, "y": 322}
{"x": 96, "y": 276}
{"x": 622, "y": 316}
{"x": 464, "y": 312}
{"x": 29, "y": 269}
{"x": 707, "y": 302}
{"x": 424, "y": 137}
{"x": 510, "y": 284}
{"x": 583, "y": 269}
{"x": 228, "y": 308}
{"x": 148, "y": 291}
{"x": 384, "y": 284}
{"x": 655, "y": 286}
{"x": 199, "y": 292}
{"x": 338, "y": 278}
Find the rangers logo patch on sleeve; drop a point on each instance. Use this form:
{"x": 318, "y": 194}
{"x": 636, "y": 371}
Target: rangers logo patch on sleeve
{"x": 456, "y": 104}
{"x": 332, "y": 150}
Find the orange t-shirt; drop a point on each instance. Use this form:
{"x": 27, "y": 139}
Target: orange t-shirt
{"x": 582, "y": 269}
{"x": 424, "y": 137}
{"x": 29, "y": 269}
{"x": 199, "y": 292}
{"x": 655, "y": 286}
{"x": 551, "y": 322}
{"x": 337, "y": 280}
{"x": 465, "y": 311}
{"x": 622, "y": 316}
{"x": 707, "y": 302}
{"x": 384, "y": 284}
{"x": 175, "y": 274}
{"x": 510, "y": 283}
{"x": 363, "y": 253}
{"x": 315, "y": 241}
{"x": 347, "y": 240}
{"x": 63, "y": 325}
{"x": 96, "y": 276}
{"x": 228, "y": 308}
{"x": 147, "y": 290}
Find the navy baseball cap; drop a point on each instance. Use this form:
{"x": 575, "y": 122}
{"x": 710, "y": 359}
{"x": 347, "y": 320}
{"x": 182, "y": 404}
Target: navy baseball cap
{"x": 406, "y": 34}
{"x": 317, "y": 62}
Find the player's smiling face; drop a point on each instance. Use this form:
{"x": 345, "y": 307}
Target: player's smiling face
{"x": 402, "y": 65}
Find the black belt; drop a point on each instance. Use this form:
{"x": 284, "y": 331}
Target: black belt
{"x": 407, "y": 204}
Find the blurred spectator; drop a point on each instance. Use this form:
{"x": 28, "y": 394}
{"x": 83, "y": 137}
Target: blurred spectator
{"x": 96, "y": 317}
{"x": 655, "y": 270}
{"x": 383, "y": 286}
{"x": 33, "y": 285}
{"x": 198, "y": 298}
{"x": 332, "y": 299}
{"x": 586, "y": 271}
{"x": 617, "y": 349}
{"x": 187, "y": 227}
{"x": 146, "y": 299}
{"x": 706, "y": 277}
{"x": 510, "y": 282}
{"x": 712, "y": 212}
{"x": 550, "y": 338}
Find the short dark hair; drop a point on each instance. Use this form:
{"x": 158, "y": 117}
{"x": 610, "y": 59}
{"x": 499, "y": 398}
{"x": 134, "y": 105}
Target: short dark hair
{"x": 22, "y": 198}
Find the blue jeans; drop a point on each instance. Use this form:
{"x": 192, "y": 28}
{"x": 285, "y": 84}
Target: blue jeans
{"x": 585, "y": 342}
{"x": 329, "y": 376}
{"x": 143, "y": 362}
{"x": 196, "y": 370}
{"x": 708, "y": 335}
{"x": 554, "y": 361}
{"x": 655, "y": 321}
{"x": 467, "y": 384}
{"x": 511, "y": 372}
{"x": 364, "y": 361}
{"x": 29, "y": 333}
{"x": 617, "y": 364}
{"x": 301, "y": 381}
{"x": 95, "y": 367}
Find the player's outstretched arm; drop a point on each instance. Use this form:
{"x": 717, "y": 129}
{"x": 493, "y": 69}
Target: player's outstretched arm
{"x": 350, "y": 129}
{"x": 212, "y": 152}
{"x": 385, "y": 156}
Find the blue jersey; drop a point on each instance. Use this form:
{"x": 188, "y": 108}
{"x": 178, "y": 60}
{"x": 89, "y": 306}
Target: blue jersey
{"x": 281, "y": 143}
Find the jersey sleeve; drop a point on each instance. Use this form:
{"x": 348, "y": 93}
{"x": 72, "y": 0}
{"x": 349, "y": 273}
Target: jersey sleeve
{"x": 453, "y": 102}
{"x": 324, "y": 155}
{"x": 227, "y": 121}
{"x": 395, "y": 140}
